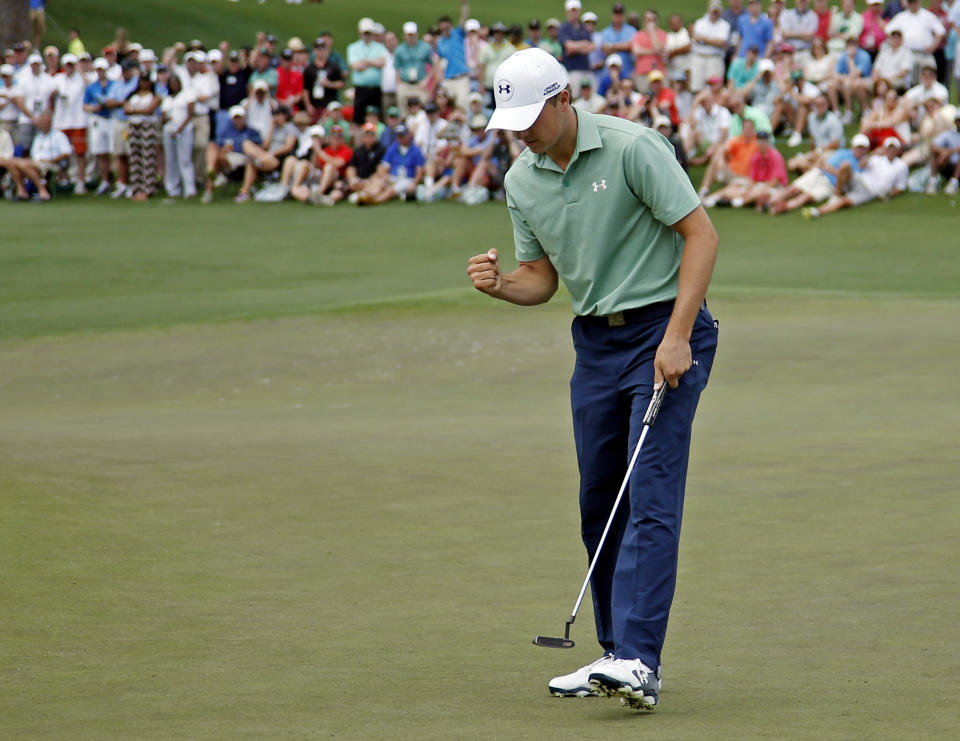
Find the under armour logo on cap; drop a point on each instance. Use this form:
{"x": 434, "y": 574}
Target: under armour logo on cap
{"x": 504, "y": 90}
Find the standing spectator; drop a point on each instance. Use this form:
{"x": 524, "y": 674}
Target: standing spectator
{"x": 260, "y": 108}
{"x": 595, "y": 57}
{"x": 649, "y": 47}
{"x": 755, "y": 29}
{"x": 143, "y": 139}
{"x": 263, "y": 70}
{"x": 534, "y": 36}
{"x": 617, "y": 38}
{"x": 451, "y": 47}
{"x": 495, "y": 52}
{"x": 412, "y": 61}
{"x": 799, "y": 27}
{"x": 473, "y": 49}
{"x": 327, "y": 37}
{"x": 577, "y": 44}
{"x": 845, "y": 24}
{"x": 289, "y": 81}
{"x": 732, "y": 15}
{"x": 711, "y": 33}
{"x": 366, "y": 58}
{"x": 99, "y": 103}
{"x": 198, "y": 87}
{"x": 822, "y": 10}
{"x": 873, "y": 34}
{"x": 233, "y": 82}
{"x": 11, "y": 100}
{"x": 36, "y": 90}
{"x": 322, "y": 81}
{"x": 923, "y": 33}
{"x": 69, "y": 115}
{"x": 177, "y": 117}
{"x": 389, "y": 70}
{"x": 552, "y": 44}
{"x": 123, "y": 89}
{"x": 38, "y": 20}
{"x": 678, "y": 48}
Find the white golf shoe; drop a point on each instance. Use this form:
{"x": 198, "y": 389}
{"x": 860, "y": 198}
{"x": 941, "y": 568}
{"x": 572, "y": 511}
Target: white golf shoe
{"x": 577, "y": 684}
{"x": 635, "y": 683}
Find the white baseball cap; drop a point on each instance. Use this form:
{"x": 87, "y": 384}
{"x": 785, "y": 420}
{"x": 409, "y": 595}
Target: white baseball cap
{"x": 410, "y": 27}
{"x": 316, "y": 130}
{"x": 765, "y": 65}
{"x": 521, "y": 85}
{"x": 572, "y": 5}
{"x": 860, "y": 140}
{"x": 589, "y": 16}
{"x": 34, "y": 59}
{"x": 7, "y": 70}
{"x": 200, "y": 57}
{"x": 70, "y": 59}
{"x": 101, "y": 63}
{"x": 366, "y": 25}
{"x": 614, "y": 60}
{"x": 148, "y": 55}
{"x": 214, "y": 55}
{"x": 472, "y": 24}
{"x": 891, "y": 141}
{"x": 135, "y": 47}
{"x": 238, "y": 110}
{"x": 378, "y": 28}
{"x": 261, "y": 84}
{"x": 660, "y": 121}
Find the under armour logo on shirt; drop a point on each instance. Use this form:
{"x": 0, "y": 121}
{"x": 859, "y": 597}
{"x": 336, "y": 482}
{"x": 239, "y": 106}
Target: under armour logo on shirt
{"x": 597, "y": 187}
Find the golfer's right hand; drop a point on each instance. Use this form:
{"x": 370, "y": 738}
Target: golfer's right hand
{"x": 484, "y": 271}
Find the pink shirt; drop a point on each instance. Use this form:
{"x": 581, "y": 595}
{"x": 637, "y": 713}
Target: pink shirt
{"x": 648, "y": 62}
{"x": 767, "y": 167}
{"x": 872, "y": 35}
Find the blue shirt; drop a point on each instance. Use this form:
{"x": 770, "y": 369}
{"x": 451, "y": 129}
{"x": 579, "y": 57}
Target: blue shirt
{"x": 228, "y": 132}
{"x": 38, "y": 4}
{"x": 862, "y": 61}
{"x": 838, "y": 158}
{"x": 610, "y": 35}
{"x": 121, "y": 90}
{"x": 574, "y": 62}
{"x": 757, "y": 34}
{"x": 452, "y": 49}
{"x": 95, "y": 93}
{"x": 948, "y": 140}
{"x": 404, "y": 164}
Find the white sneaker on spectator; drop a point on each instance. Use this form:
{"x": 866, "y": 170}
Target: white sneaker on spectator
{"x": 795, "y": 139}
{"x": 952, "y": 187}
{"x": 120, "y": 191}
{"x": 207, "y": 197}
{"x": 220, "y": 180}
{"x": 736, "y": 202}
{"x": 847, "y": 118}
{"x": 80, "y": 189}
{"x": 103, "y": 188}
{"x": 353, "y": 198}
{"x": 933, "y": 185}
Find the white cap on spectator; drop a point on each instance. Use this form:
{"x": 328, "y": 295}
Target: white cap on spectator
{"x": 410, "y": 27}
{"x": 34, "y": 59}
{"x": 474, "y": 97}
{"x": 200, "y": 57}
{"x": 765, "y": 65}
{"x": 552, "y": 23}
{"x": 661, "y": 121}
{"x": 334, "y": 106}
{"x": 614, "y": 60}
{"x": 891, "y": 141}
{"x": 366, "y": 25}
{"x": 7, "y": 70}
{"x": 84, "y": 56}
{"x": 70, "y": 59}
{"x": 860, "y": 140}
{"x": 589, "y": 16}
{"x": 135, "y": 47}
{"x": 472, "y": 24}
{"x": 238, "y": 110}
{"x": 572, "y": 5}
{"x": 715, "y": 5}
{"x": 214, "y": 55}
{"x": 148, "y": 55}
{"x": 101, "y": 63}
{"x": 521, "y": 85}
{"x": 316, "y": 130}
{"x": 378, "y": 28}
{"x": 261, "y": 84}
{"x": 874, "y": 2}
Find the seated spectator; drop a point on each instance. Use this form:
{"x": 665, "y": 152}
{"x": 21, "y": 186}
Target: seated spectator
{"x": 819, "y": 69}
{"x": 766, "y": 175}
{"x": 297, "y": 168}
{"x": 662, "y": 96}
{"x": 49, "y": 155}
{"x": 763, "y": 91}
{"x": 394, "y": 119}
{"x": 826, "y": 134}
{"x": 334, "y": 116}
{"x": 937, "y": 118}
{"x": 588, "y": 99}
{"x": 708, "y": 126}
{"x": 851, "y": 72}
{"x": 928, "y": 87}
{"x": 743, "y": 69}
{"x": 330, "y": 167}
{"x": 177, "y": 116}
{"x": 398, "y": 175}
{"x": 477, "y": 161}
{"x": 892, "y": 119}
{"x": 266, "y": 157}
{"x": 731, "y": 162}
{"x": 260, "y": 108}
{"x": 793, "y": 106}
{"x": 427, "y": 136}
{"x": 923, "y": 33}
{"x": 884, "y": 176}
{"x": 945, "y": 159}
{"x": 740, "y": 112}
{"x": 225, "y": 154}
{"x": 610, "y": 77}
{"x": 820, "y": 183}
{"x": 663, "y": 125}
{"x": 363, "y": 165}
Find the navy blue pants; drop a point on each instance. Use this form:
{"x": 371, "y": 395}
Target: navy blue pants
{"x": 635, "y": 578}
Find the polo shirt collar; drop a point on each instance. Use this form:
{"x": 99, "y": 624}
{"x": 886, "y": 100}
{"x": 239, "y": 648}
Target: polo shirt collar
{"x": 588, "y": 137}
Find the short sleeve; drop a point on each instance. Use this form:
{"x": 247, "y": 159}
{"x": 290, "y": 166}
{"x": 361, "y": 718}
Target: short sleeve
{"x": 656, "y": 178}
{"x": 528, "y": 247}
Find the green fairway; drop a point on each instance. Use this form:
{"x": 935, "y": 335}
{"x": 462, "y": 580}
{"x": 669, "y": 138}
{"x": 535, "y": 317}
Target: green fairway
{"x": 347, "y": 515}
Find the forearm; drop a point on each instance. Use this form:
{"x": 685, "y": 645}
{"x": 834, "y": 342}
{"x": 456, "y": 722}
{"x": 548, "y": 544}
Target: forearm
{"x": 696, "y": 269}
{"x": 530, "y": 284}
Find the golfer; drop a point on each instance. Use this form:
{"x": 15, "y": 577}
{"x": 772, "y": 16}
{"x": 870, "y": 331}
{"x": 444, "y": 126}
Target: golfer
{"x": 602, "y": 204}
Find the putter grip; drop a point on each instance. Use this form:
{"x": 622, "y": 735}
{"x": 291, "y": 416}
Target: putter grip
{"x": 654, "y": 407}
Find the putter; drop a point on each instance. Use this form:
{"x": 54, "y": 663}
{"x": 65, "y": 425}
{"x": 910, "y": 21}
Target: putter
{"x": 566, "y": 642}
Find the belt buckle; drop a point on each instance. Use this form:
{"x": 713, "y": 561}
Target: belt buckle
{"x": 616, "y": 320}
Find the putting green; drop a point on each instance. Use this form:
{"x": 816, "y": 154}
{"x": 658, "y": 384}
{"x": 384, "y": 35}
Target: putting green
{"x": 352, "y": 526}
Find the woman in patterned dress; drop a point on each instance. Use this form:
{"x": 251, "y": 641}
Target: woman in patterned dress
{"x": 143, "y": 139}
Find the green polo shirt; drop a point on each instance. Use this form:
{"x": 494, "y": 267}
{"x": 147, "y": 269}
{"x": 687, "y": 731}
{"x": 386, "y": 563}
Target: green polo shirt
{"x": 604, "y": 223}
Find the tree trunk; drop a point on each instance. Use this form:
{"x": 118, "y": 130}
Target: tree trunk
{"x": 14, "y": 22}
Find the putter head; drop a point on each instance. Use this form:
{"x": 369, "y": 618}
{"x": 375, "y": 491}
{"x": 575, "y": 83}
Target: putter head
{"x": 548, "y": 642}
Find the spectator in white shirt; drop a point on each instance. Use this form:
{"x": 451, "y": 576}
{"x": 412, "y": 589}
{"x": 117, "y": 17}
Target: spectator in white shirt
{"x": 711, "y": 34}
{"x": 11, "y": 100}
{"x": 69, "y": 116}
{"x": 894, "y": 63}
{"x": 37, "y": 89}
{"x": 883, "y": 177}
{"x": 179, "y": 176}
{"x": 678, "y": 48}
{"x": 707, "y": 126}
{"x": 922, "y": 34}
{"x": 49, "y": 153}
{"x": 260, "y": 109}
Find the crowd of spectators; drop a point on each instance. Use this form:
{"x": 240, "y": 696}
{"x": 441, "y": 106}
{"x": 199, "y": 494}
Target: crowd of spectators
{"x": 402, "y": 113}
